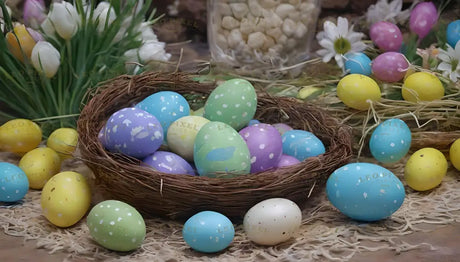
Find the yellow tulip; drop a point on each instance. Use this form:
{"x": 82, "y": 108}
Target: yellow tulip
{"x": 20, "y": 43}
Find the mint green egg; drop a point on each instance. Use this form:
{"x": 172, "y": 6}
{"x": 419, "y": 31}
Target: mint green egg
{"x": 219, "y": 151}
{"x": 116, "y": 225}
{"x": 233, "y": 102}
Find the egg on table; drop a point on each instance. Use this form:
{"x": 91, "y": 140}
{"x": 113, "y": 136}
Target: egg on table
{"x": 13, "y": 183}
{"x": 20, "y": 136}
{"x": 422, "y": 86}
{"x": 63, "y": 141}
{"x": 425, "y": 169}
{"x": 357, "y": 63}
{"x": 40, "y": 164}
{"x": 272, "y": 221}
{"x": 365, "y": 191}
{"x": 116, "y": 225}
{"x": 65, "y": 198}
{"x": 390, "y": 66}
{"x": 357, "y": 91}
{"x": 208, "y": 232}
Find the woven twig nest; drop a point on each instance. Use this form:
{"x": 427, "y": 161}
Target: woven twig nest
{"x": 180, "y": 196}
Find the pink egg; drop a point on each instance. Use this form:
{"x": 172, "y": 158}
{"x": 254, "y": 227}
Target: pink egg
{"x": 386, "y": 36}
{"x": 286, "y": 160}
{"x": 390, "y": 67}
{"x": 264, "y": 144}
{"x": 422, "y": 18}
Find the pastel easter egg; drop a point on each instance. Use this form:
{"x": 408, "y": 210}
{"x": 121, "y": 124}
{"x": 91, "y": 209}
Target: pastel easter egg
{"x": 134, "y": 132}
{"x": 253, "y": 122}
{"x": 386, "y": 36}
{"x": 272, "y": 221}
{"x": 208, "y": 232}
{"x": 13, "y": 183}
{"x": 219, "y": 151}
{"x": 166, "y": 106}
{"x": 453, "y": 33}
{"x": 168, "y": 162}
{"x": 264, "y": 144}
{"x": 65, "y": 198}
{"x": 20, "y": 136}
{"x": 182, "y": 134}
{"x": 390, "y": 67}
{"x": 454, "y": 154}
{"x": 390, "y": 141}
{"x": 233, "y": 102}
{"x": 422, "y": 86}
{"x": 302, "y": 144}
{"x": 422, "y": 18}
{"x": 365, "y": 192}
{"x": 425, "y": 169}
{"x": 358, "y": 91}
{"x": 282, "y": 127}
{"x": 116, "y": 225}
{"x": 40, "y": 164}
{"x": 286, "y": 160}
{"x": 358, "y": 63}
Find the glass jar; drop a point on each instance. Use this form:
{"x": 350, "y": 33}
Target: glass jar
{"x": 261, "y": 37}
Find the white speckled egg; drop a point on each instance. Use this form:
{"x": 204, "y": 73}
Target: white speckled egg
{"x": 182, "y": 134}
{"x": 365, "y": 191}
{"x": 390, "y": 141}
{"x": 134, "y": 132}
{"x": 272, "y": 221}
{"x": 13, "y": 183}
{"x": 116, "y": 225}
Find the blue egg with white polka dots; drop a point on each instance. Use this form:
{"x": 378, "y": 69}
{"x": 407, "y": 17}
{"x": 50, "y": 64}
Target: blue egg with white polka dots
{"x": 208, "y": 232}
{"x": 358, "y": 63}
{"x": 390, "y": 141}
{"x": 302, "y": 144}
{"x": 166, "y": 106}
{"x": 13, "y": 183}
{"x": 365, "y": 191}
{"x": 453, "y": 33}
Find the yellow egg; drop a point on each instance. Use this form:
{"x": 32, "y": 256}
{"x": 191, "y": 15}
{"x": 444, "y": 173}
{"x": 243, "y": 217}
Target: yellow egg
{"x": 182, "y": 133}
{"x": 40, "y": 164}
{"x": 20, "y": 136}
{"x": 422, "y": 86}
{"x": 454, "y": 154}
{"x": 425, "y": 169}
{"x": 65, "y": 198}
{"x": 357, "y": 90}
{"x": 63, "y": 141}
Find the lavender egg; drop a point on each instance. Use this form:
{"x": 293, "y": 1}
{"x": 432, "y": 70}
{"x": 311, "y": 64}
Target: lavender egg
{"x": 168, "y": 162}
{"x": 390, "y": 67}
{"x": 386, "y": 36}
{"x": 264, "y": 144}
{"x": 133, "y": 132}
{"x": 422, "y": 18}
{"x": 286, "y": 160}
{"x": 282, "y": 128}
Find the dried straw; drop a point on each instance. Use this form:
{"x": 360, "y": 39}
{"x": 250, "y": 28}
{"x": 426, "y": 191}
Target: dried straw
{"x": 179, "y": 196}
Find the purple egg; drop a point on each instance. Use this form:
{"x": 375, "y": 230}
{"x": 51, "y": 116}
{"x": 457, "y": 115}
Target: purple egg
{"x": 133, "y": 132}
{"x": 282, "y": 128}
{"x": 386, "y": 36}
{"x": 390, "y": 67}
{"x": 264, "y": 144}
{"x": 168, "y": 162}
{"x": 287, "y": 160}
{"x": 422, "y": 18}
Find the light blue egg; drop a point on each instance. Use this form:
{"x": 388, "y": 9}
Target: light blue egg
{"x": 390, "y": 141}
{"x": 365, "y": 192}
{"x": 208, "y": 232}
{"x": 302, "y": 144}
{"x": 253, "y": 122}
{"x": 453, "y": 33}
{"x": 166, "y": 106}
{"x": 13, "y": 183}
{"x": 358, "y": 63}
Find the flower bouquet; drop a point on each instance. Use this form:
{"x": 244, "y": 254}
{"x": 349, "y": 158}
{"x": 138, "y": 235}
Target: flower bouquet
{"x": 50, "y": 64}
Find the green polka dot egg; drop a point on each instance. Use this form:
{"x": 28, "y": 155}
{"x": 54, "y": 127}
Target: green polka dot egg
{"x": 116, "y": 225}
{"x": 233, "y": 102}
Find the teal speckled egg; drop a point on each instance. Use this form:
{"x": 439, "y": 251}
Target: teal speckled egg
{"x": 116, "y": 225}
{"x": 233, "y": 102}
{"x": 219, "y": 151}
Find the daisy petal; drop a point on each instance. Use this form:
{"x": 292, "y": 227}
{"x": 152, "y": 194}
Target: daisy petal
{"x": 330, "y": 30}
{"x": 326, "y": 43}
{"x": 328, "y": 57}
{"x": 443, "y": 66}
{"x": 457, "y": 50}
{"x": 339, "y": 59}
{"x": 354, "y": 37}
{"x": 443, "y": 56}
{"x": 358, "y": 46}
{"x": 342, "y": 26}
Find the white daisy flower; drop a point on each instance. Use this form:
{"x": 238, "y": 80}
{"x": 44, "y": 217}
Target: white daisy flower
{"x": 390, "y": 12}
{"x": 338, "y": 40}
{"x": 450, "y": 65}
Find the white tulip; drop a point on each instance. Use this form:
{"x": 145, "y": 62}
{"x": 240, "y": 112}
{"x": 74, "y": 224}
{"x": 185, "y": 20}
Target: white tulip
{"x": 64, "y": 19}
{"x": 153, "y": 51}
{"x": 147, "y": 33}
{"x": 45, "y": 58}
{"x": 104, "y": 14}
